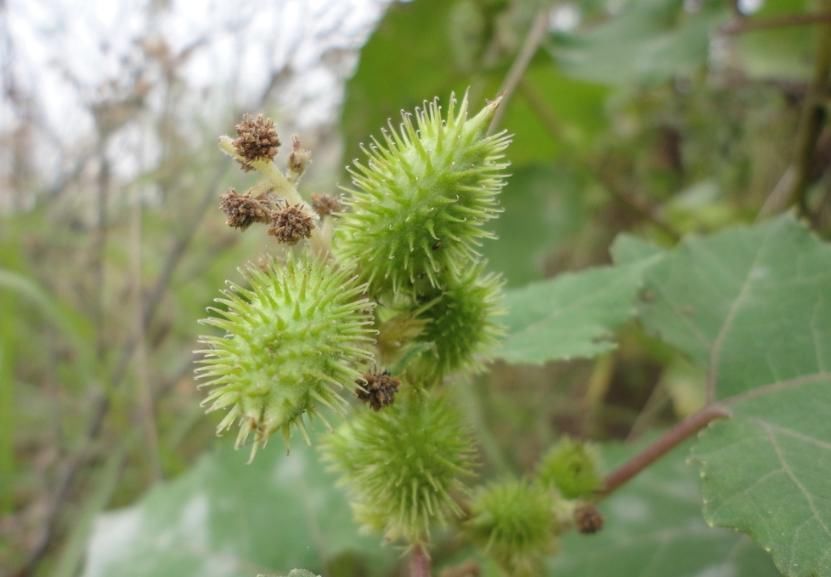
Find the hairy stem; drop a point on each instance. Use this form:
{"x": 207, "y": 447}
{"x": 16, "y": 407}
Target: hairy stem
{"x": 668, "y": 441}
{"x": 419, "y": 562}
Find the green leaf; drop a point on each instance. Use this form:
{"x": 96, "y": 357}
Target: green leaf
{"x": 753, "y": 306}
{"x": 784, "y": 53}
{"x": 545, "y": 207}
{"x": 653, "y": 528}
{"x": 300, "y": 573}
{"x": 389, "y": 79}
{"x": 572, "y": 315}
{"x": 645, "y": 41}
{"x": 445, "y": 43}
{"x": 552, "y": 115}
{"x": 69, "y": 322}
{"x": 226, "y": 518}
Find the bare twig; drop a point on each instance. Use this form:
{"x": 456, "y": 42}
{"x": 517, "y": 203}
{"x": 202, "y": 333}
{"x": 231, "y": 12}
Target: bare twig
{"x": 792, "y": 188}
{"x": 668, "y": 441}
{"x": 637, "y": 205}
{"x": 419, "y": 562}
{"x": 532, "y": 42}
{"x": 101, "y": 406}
{"x": 142, "y": 381}
{"x": 658, "y": 398}
{"x": 549, "y": 122}
{"x": 744, "y": 26}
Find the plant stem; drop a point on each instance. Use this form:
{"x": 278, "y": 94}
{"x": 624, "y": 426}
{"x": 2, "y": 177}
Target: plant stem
{"x": 797, "y": 180}
{"x": 750, "y": 25}
{"x": 668, "y": 441}
{"x": 419, "y": 562}
{"x": 529, "y": 48}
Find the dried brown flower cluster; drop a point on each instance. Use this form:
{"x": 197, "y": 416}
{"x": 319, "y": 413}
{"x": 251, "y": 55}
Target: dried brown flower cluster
{"x": 242, "y": 210}
{"x": 377, "y": 389}
{"x": 588, "y": 519}
{"x": 256, "y": 139}
{"x": 299, "y": 158}
{"x": 288, "y": 223}
{"x": 326, "y": 204}
{"x": 291, "y": 224}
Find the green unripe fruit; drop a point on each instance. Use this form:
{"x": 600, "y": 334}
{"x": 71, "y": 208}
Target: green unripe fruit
{"x": 460, "y": 324}
{"x": 297, "y": 334}
{"x": 571, "y": 467}
{"x": 513, "y": 521}
{"x": 403, "y": 465}
{"x": 421, "y": 199}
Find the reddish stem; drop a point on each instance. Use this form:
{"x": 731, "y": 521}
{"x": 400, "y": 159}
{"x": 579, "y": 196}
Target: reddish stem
{"x": 419, "y": 562}
{"x": 668, "y": 441}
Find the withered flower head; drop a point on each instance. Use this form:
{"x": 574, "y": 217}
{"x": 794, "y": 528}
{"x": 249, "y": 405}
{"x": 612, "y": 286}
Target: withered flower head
{"x": 377, "y": 389}
{"x": 326, "y": 204}
{"x": 588, "y": 519}
{"x": 291, "y": 224}
{"x": 299, "y": 158}
{"x": 241, "y": 210}
{"x": 256, "y": 139}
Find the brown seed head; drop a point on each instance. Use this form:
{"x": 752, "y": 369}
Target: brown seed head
{"x": 241, "y": 210}
{"x": 256, "y": 139}
{"x": 588, "y": 519}
{"x": 299, "y": 158}
{"x": 326, "y": 204}
{"x": 291, "y": 224}
{"x": 377, "y": 389}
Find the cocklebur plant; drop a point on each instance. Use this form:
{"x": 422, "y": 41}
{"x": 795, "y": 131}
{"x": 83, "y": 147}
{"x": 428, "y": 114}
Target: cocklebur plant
{"x": 382, "y": 294}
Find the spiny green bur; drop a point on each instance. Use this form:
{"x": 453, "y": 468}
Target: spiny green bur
{"x": 299, "y": 332}
{"x": 572, "y": 468}
{"x": 460, "y": 325}
{"x": 513, "y": 522}
{"x": 421, "y": 198}
{"x": 403, "y": 464}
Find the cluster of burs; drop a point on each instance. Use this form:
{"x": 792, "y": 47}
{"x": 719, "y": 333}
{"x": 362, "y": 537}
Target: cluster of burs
{"x": 379, "y": 302}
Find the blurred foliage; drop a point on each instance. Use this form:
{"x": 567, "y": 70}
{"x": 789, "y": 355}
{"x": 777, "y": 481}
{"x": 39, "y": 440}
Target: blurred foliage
{"x": 658, "y": 118}
{"x": 281, "y": 511}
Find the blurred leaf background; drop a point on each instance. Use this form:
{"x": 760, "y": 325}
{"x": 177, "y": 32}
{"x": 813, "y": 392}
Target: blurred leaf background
{"x": 658, "y": 118}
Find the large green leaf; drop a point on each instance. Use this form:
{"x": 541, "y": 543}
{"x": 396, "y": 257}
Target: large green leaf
{"x": 544, "y": 207}
{"x": 389, "y": 78}
{"x": 645, "y": 41}
{"x": 572, "y": 315}
{"x": 227, "y": 518}
{"x": 753, "y": 306}
{"x": 444, "y": 40}
{"x": 778, "y": 53}
{"x": 653, "y": 528}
